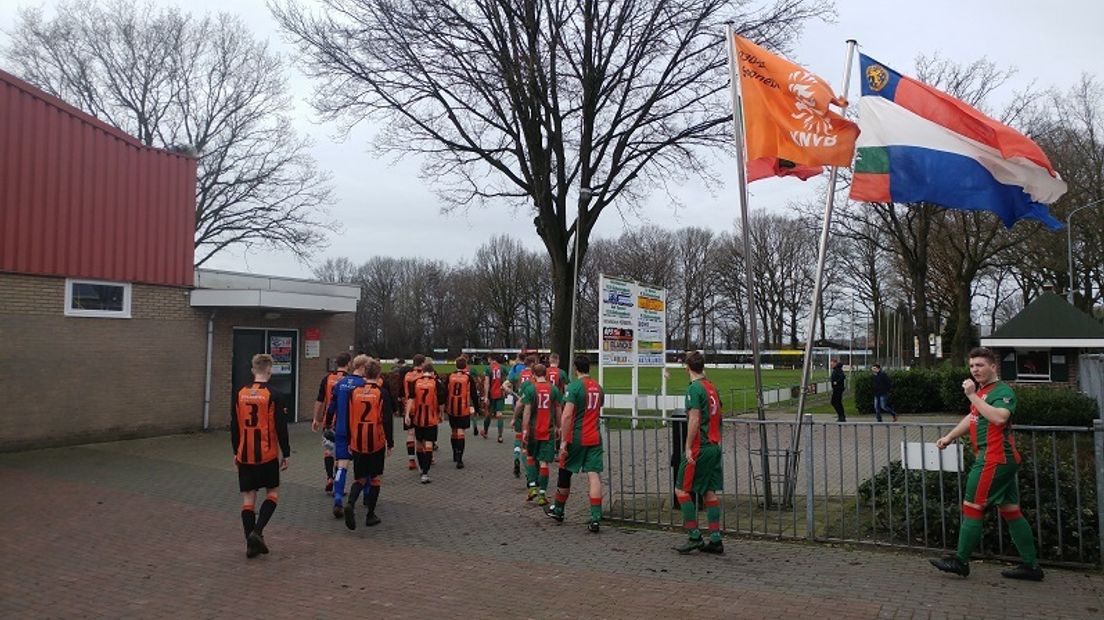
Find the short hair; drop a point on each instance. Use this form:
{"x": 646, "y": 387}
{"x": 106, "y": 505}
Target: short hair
{"x": 360, "y": 361}
{"x": 399, "y": 361}
{"x": 461, "y": 363}
{"x": 419, "y": 359}
{"x": 985, "y": 353}
{"x": 372, "y": 368}
{"x": 343, "y": 359}
{"x": 554, "y": 358}
{"x": 262, "y": 363}
{"x": 538, "y": 369}
{"x": 531, "y": 359}
{"x": 695, "y": 361}
{"x": 582, "y": 363}
{"x": 427, "y": 366}
{"x": 878, "y": 366}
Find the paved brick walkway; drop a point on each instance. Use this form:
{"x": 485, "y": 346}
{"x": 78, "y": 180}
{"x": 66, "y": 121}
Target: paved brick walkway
{"x": 150, "y": 529}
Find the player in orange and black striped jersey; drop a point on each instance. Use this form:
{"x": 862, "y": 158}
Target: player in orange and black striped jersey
{"x": 258, "y": 434}
{"x": 370, "y": 432}
{"x": 461, "y": 404}
{"x": 409, "y": 377}
{"x": 322, "y": 420}
{"x": 423, "y": 412}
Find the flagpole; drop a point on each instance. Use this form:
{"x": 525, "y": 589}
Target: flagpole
{"x": 829, "y": 203}
{"x": 749, "y": 259}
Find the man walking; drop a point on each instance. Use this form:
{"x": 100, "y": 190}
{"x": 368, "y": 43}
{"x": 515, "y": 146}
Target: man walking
{"x": 581, "y": 443}
{"x": 839, "y": 383}
{"x": 700, "y": 472}
{"x": 882, "y": 384}
{"x": 992, "y": 479}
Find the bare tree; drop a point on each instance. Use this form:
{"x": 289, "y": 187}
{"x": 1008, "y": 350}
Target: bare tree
{"x": 527, "y": 100}
{"x": 498, "y": 264}
{"x": 202, "y": 85}
{"x": 339, "y": 269}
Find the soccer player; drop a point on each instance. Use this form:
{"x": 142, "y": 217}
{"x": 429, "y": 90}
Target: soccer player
{"x": 540, "y": 401}
{"x": 462, "y": 404}
{"x": 423, "y": 413}
{"x": 519, "y": 376}
{"x": 258, "y": 425}
{"x": 992, "y": 479}
{"x": 556, "y": 375}
{"x": 700, "y": 471}
{"x": 408, "y": 395}
{"x": 494, "y": 397}
{"x": 370, "y": 441}
{"x": 581, "y": 444}
{"x": 339, "y": 407}
{"x": 321, "y": 406}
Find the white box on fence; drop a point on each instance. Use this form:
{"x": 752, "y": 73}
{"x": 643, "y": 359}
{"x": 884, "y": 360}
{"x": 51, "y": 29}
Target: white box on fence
{"x": 928, "y": 456}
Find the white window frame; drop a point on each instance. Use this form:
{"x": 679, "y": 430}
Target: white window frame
{"x": 1037, "y": 377}
{"x": 103, "y": 314}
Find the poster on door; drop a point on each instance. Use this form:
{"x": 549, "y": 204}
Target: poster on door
{"x": 616, "y": 322}
{"x": 279, "y": 347}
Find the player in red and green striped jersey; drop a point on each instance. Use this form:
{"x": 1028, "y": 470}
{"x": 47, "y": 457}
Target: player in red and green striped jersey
{"x": 581, "y": 444}
{"x": 520, "y": 375}
{"x": 700, "y": 471}
{"x": 540, "y": 403}
{"x": 556, "y": 375}
{"x": 992, "y": 479}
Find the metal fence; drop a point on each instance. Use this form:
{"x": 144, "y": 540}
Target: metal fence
{"x": 864, "y": 482}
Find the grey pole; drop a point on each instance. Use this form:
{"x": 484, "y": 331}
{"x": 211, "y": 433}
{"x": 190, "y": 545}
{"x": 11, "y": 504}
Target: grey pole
{"x": 749, "y": 259}
{"x": 1069, "y": 248}
{"x": 818, "y": 283}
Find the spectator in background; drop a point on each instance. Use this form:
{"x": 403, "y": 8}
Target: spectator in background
{"x": 839, "y": 383}
{"x": 882, "y": 386}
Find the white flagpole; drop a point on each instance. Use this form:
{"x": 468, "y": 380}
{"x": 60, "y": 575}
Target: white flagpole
{"x": 749, "y": 259}
{"x": 829, "y": 203}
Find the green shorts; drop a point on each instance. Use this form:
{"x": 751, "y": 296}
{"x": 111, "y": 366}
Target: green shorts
{"x": 496, "y": 405}
{"x": 992, "y": 484}
{"x": 584, "y": 459}
{"x": 541, "y": 451}
{"x": 705, "y": 474}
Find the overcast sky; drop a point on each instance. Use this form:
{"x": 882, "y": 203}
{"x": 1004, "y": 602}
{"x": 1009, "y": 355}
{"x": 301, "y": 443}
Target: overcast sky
{"x": 385, "y": 207}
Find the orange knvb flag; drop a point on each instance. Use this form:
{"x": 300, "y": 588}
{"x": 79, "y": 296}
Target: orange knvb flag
{"x": 788, "y": 127}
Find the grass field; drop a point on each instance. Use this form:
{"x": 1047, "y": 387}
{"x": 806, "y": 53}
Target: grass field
{"x": 727, "y": 380}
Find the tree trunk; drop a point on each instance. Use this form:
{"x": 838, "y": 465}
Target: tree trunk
{"x": 920, "y": 313}
{"x": 963, "y": 335}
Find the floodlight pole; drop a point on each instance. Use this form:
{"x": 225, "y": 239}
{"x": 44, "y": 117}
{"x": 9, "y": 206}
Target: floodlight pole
{"x": 1069, "y": 247}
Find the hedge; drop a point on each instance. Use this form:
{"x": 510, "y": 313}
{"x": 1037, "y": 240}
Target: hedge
{"x": 939, "y": 390}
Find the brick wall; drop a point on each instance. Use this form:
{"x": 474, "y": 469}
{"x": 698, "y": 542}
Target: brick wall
{"x": 75, "y": 379}
{"x": 66, "y": 380}
{"x": 337, "y": 336}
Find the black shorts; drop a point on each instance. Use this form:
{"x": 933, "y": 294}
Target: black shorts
{"x": 263, "y": 476}
{"x": 460, "y": 421}
{"x": 425, "y": 433}
{"x": 371, "y": 464}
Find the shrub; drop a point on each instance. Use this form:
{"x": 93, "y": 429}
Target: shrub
{"x": 1052, "y": 513}
{"x": 1053, "y": 407}
{"x": 912, "y": 391}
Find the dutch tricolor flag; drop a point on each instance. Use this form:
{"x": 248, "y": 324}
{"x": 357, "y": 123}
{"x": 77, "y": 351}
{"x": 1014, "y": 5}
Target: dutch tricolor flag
{"x": 918, "y": 144}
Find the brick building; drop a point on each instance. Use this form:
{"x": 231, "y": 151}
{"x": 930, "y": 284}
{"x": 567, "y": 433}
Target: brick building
{"x": 107, "y": 331}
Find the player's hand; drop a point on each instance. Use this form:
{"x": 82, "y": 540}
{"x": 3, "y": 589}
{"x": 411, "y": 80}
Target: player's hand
{"x": 283, "y": 464}
{"x": 969, "y": 387}
{"x": 563, "y": 453}
{"x": 406, "y": 420}
{"x": 942, "y": 442}
{"x": 388, "y": 450}
{"x": 315, "y": 426}
{"x": 689, "y": 456}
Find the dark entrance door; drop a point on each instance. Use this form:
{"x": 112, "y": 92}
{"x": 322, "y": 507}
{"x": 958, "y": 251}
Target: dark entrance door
{"x": 283, "y": 346}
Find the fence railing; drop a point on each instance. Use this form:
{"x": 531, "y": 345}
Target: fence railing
{"x": 865, "y": 482}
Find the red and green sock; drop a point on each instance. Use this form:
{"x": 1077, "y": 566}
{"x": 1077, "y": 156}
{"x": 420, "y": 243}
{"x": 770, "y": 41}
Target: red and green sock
{"x": 713, "y": 513}
{"x": 596, "y": 508}
{"x": 969, "y": 533}
{"x": 689, "y": 515}
{"x": 542, "y": 478}
{"x": 1020, "y": 530}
